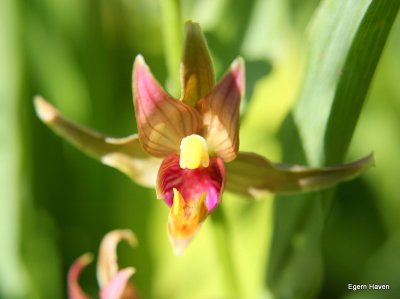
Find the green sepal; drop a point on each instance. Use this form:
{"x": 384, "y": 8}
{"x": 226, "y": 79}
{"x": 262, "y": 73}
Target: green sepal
{"x": 125, "y": 154}
{"x": 253, "y": 175}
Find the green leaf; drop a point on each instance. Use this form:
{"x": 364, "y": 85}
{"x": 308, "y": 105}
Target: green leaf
{"x": 125, "y": 154}
{"x": 346, "y": 40}
{"x": 345, "y": 43}
{"x": 172, "y": 38}
{"x": 14, "y": 274}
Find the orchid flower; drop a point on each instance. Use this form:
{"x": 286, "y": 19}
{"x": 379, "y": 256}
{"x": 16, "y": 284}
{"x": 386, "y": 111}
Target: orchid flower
{"x": 113, "y": 282}
{"x": 188, "y": 148}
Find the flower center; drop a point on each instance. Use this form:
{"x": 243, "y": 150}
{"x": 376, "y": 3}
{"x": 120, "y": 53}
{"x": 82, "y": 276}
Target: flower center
{"x": 194, "y": 152}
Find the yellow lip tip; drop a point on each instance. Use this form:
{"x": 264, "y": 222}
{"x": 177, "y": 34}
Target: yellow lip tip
{"x": 178, "y": 202}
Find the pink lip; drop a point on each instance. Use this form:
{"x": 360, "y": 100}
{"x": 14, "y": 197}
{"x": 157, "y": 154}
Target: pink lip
{"x": 191, "y": 183}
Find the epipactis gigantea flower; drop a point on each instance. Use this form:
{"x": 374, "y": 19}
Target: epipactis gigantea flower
{"x": 114, "y": 283}
{"x": 188, "y": 148}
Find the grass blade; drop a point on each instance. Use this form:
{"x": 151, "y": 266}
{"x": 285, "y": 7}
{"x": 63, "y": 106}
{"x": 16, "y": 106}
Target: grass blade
{"x": 346, "y": 40}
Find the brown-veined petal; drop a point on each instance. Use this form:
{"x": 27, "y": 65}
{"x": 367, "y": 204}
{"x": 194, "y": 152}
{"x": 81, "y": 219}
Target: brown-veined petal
{"x": 253, "y": 175}
{"x": 74, "y": 290}
{"x": 124, "y": 154}
{"x": 197, "y": 72}
{"x": 162, "y": 121}
{"x": 220, "y": 110}
{"x": 107, "y": 263}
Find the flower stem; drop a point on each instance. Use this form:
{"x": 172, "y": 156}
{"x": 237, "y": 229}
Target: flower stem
{"x": 172, "y": 34}
{"x": 223, "y": 245}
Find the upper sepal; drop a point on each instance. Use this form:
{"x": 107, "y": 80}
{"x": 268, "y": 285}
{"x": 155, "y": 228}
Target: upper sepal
{"x": 220, "y": 110}
{"x": 197, "y": 72}
{"x": 253, "y": 175}
{"x": 162, "y": 121}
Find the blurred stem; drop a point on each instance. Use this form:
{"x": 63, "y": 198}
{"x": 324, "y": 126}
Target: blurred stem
{"x": 172, "y": 34}
{"x": 223, "y": 245}
{"x": 13, "y": 277}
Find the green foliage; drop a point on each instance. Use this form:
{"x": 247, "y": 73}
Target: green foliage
{"x": 56, "y": 204}
{"x": 346, "y": 40}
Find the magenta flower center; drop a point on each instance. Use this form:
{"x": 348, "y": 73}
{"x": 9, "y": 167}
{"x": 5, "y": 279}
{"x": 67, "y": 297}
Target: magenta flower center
{"x": 191, "y": 183}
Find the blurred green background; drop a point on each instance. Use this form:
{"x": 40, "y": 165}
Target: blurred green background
{"x": 56, "y": 203}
